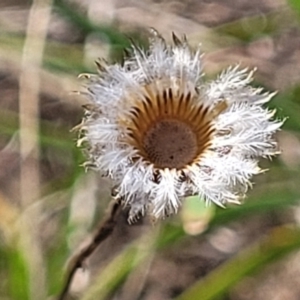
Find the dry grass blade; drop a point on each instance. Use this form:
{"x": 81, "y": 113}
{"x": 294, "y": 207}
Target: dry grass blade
{"x": 33, "y": 50}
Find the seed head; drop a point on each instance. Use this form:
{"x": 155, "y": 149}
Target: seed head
{"x": 161, "y": 133}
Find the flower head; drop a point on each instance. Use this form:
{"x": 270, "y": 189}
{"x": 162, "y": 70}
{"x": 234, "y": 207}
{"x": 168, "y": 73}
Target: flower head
{"x": 161, "y": 133}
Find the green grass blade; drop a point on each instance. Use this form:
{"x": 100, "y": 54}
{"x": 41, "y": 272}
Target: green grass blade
{"x": 280, "y": 242}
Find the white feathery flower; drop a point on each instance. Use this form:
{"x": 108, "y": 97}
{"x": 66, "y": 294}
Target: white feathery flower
{"x": 161, "y": 133}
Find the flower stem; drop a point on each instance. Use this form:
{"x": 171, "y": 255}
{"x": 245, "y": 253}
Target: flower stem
{"x": 104, "y": 230}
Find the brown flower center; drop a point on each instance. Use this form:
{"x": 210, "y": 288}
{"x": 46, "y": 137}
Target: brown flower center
{"x": 170, "y": 143}
{"x": 170, "y": 130}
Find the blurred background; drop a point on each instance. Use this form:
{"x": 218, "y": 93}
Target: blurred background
{"x": 49, "y": 205}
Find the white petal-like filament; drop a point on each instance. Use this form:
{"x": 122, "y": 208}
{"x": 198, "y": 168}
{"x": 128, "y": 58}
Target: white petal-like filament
{"x": 161, "y": 133}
